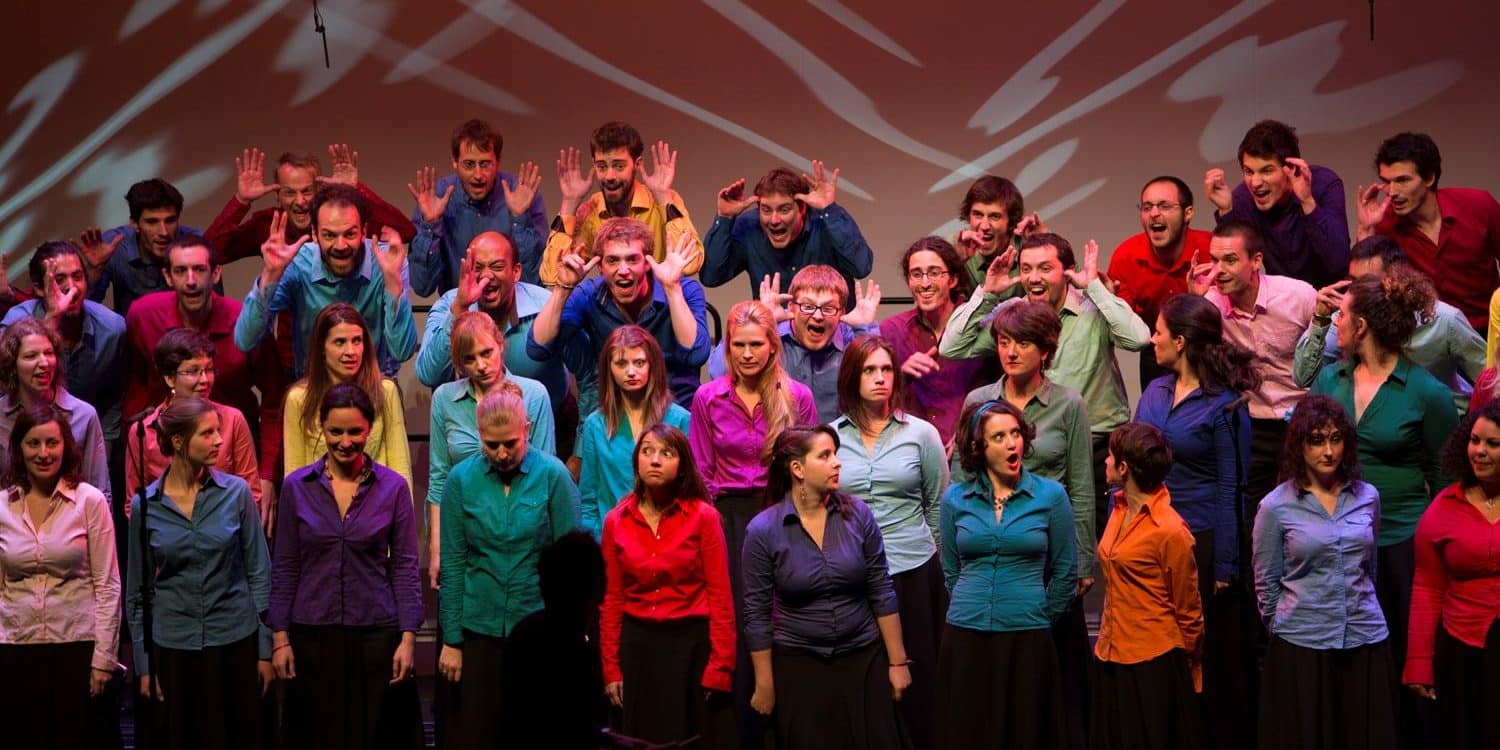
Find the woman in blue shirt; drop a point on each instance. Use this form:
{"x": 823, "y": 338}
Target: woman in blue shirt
{"x": 1007, "y": 543}
{"x": 1199, "y": 406}
{"x": 895, "y": 462}
{"x": 633, "y": 396}
{"x": 1329, "y": 681}
{"x": 198, "y": 555}
{"x": 830, "y": 661}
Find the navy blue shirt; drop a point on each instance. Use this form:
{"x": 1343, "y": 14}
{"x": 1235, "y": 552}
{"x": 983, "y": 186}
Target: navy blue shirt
{"x": 438, "y": 250}
{"x": 829, "y": 238}
{"x": 1210, "y": 451}
{"x": 825, "y": 601}
{"x": 132, "y": 273}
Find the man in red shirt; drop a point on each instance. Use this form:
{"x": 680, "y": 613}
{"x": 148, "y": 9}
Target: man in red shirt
{"x": 1450, "y": 234}
{"x": 1150, "y": 267}
{"x": 191, "y": 272}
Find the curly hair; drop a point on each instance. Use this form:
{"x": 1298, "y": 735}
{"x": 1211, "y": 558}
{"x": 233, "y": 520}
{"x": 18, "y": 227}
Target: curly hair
{"x": 1456, "y": 450}
{"x": 993, "y": 189}
{"x": 971, "y": 449}
{"x": 1218, "y": 363}
{"x": 10, "y": 353}
{"x": 1390, "y": 304}
{"x": 613, "y": 135}
{"x": 1315, "y": 413}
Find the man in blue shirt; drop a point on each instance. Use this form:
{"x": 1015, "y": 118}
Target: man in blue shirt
{"x": 796, "y": 224}
{"x": 133, "y": 257}
{"x": 445, "y": 227}
{"x": 341, "y": 265}
{"x": 633, "y": 288}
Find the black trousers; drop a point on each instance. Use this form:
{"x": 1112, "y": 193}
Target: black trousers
{"x": 661, "y": 664}
{"x": 841, "y": 702}
{"x": 736, "y": 509}
{"x": 1395, "y": 567}
{"x": 923, "y": 602}
{"x": 342, "y": 699}
{"x": 45, "y": 702}
{"x": 475, "y": 706}
{"x": 1231, "y": 631}
{"x": 210, "y": 700}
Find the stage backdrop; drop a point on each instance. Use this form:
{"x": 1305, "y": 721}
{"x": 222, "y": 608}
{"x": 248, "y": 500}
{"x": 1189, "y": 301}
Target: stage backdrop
{"x": 1078, "y": 102}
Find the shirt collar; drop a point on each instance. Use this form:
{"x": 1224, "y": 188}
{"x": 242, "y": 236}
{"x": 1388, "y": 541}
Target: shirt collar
{"x": 641, "y": 201}
{"x": 66, "y": 402}
{"x": 320, "y": 270}
{"x": 1043, "y": 395}
{"x": 1154, "y": 506}
{"x": 788, "y": 509}
{"x": 980, "y": 487}
{"x": 1400, "y": 373}
{"x": 321, "y": 470}
{"x": 527, "y": 463}
{"x": 1072, "y": 301}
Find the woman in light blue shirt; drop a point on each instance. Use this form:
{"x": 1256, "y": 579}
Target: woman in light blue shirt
{"x": 1329, "y": 681}
{"x": 633, "y": 396}
{"x": 895, "y": 462}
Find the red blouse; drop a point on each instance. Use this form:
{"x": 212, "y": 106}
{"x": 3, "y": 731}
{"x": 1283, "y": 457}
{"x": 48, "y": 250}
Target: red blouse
{"x": 680, "y": 570}
{"x": 1457, "y": 579}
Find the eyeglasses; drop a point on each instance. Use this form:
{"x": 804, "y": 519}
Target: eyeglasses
{"x": 829, "y": 311}
{"x": 1319, "y": 439}
{"x": 1162, "y": 206}
{"x": 932, "y": 273}
{"x": 195, "y": 372}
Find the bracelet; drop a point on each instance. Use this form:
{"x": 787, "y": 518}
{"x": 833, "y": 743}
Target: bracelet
{"x": 282, "y": 646}
{"x": 906, "y": 663}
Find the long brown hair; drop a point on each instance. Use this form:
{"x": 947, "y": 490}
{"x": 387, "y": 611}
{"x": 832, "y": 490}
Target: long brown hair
{"x": 612, "y": 397}
{"x": 318, "y": 379}
{"x": 775, "y": 385}
{"x": 850, "y": 370}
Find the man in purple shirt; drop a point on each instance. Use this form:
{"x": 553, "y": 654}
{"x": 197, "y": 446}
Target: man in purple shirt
{"x": 1296, "y": 207}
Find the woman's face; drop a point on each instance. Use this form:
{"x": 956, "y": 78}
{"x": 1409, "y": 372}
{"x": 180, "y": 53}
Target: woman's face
{"x": 344, "y": 351}
{"x": 1164, "y": 345}
{"x": 656, "y": 463}
{"x": 631, "y": 370}
{"x": 1004, "y": 445}
{"x": 820, "y": 467}
{"x": 194, "y": 377}
{"x": 204, "y": 445}
{"x": 875, "y": 378}
{"x": 504, "y": 445}
{"x": 42, "y": 452}
{"x": 1484, "y": 451}
{"x": 346, "y": 431}
{"x": 484, "y": 363}
{"x": 1348, "y": 340}
{"x": 1323, "y": 453}
{"x": 1021, "y": 360}
{"x": 36, "y": 363}
{"x": 749, "y": 350}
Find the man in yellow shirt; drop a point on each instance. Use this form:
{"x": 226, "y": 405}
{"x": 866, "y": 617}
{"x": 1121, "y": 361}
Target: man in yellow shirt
{"x": 625, "y": 189}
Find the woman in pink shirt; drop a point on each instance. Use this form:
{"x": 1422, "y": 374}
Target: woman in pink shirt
{"x": 59, "y": 589}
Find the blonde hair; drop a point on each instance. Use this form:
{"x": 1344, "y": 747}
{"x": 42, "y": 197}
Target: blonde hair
{"x": 467, "y": 328}
{"x": 775, "y": 386}
{"x": 502, "y": 407}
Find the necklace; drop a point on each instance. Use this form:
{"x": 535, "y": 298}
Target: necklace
{"x": 1001, "y": 500}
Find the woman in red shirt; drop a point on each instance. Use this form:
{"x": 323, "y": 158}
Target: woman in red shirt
{"x": 1457, "y": 582}
{"x": 666, "y": 630}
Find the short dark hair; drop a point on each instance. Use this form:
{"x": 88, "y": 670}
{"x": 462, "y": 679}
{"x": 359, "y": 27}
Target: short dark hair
{"x": 1380, "y": 246}
{"x": 479, "y": 134}
{"x": 1311, "y": 413}
{"x": 951, "y": 261}
{"x": 1184, "y": 193}
{"x": 1144, "y": 449}
{"x": 191, "y": 239}
{"x": 1269, "y": 139}
{"x": 1417, "y": 148}
{"x": 339, "y": 194}
{"x": 970, "y": 445}
{"x": 1031, "y": 321}
{"x": 793, "y": 444}
{"x": 1244, "y": 230}
{"x": 1046, "y": 239}
{"x": 781, "y": 180}
{"x": 37, "y": 268}
{"x": 1456, "y": 450}
{"x": 615, "y": 134}
{"x": 346, "y": 395}
{"x": 35, "y": 416}
{"x": 153, "y": 193}
{"x": 180, "y": 345}
{"x": 992, "y": 189}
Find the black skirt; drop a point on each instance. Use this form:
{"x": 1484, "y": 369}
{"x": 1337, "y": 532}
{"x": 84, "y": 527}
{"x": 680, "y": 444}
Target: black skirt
{"x": 1467, "y": 683}
{"x": 999, "y": 691}
{"x": 923, "y": 602}
{"x": 661, "y": 664}
{"x": 1146, "y": 706}
{"x": 210, "y": 699}
{"x": 834, "y": 703}
{"x": 475, "y": 708}
{"x": 736, "y": 509}
{"x": 1070, "y": 635}
{"x": 44, "y": 698}
{"x": 1315, "y": 699}
{"x": 342, "y": 698}
{"x": 1231, "y": 630}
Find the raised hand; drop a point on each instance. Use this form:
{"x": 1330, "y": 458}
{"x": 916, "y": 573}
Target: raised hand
{"x": 391, "y": 259}
{"x": 1030, "y": 225}
{"x": 1200, "y": 276}
{"x": 572, "y": 181}
{"x": 250, "y": 165}
{"x": 1217, "y": 190}
{"x": 276, "y": 251}
{"x": 96, "y": 251}
{"x": 969, "y": 243}
{"x": 1373, "y": 201}
{"x": 997, "y": 278}
{"x": 1299, "y": 174}
{"x": 771, "y": 296}
{"x": 1089, "y": 270}
{"x": 664, "y": 169}
{"x": 571, "y": 270}
{"x": 1331, "y": 297}
{"x": 345, "y": 164}
{"x": 57, "y": 300}
{"x": 528, "y": 180}
{"x": 919, "y": 364}
{"x": 866, "y": 305}
{"x": 824, "y": 187}
{"x": 732, "y": 200}
{"x": 470, "y": 286}
{"x": 424, "y": 192}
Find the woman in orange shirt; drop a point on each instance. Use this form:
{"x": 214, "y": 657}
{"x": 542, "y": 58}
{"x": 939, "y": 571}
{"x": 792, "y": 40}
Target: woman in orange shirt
{"x": 1151, "y": 629}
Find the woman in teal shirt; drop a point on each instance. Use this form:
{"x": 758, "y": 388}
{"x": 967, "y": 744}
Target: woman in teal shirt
{"x": 1402, "y": 415}
{"x": 633, "y": 396}
{"x": 1008, "y": 552}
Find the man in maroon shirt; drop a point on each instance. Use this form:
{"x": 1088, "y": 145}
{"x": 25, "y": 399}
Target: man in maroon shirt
{"x": 1450, "y": 234}
{"x": 1150, "y": 267}
{"x": 191, "y": 273}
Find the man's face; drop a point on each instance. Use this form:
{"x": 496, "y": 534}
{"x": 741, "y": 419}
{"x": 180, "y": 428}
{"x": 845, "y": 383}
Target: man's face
{"x": 623, "y": 265}
{"x": 781, "y": 218}
{"x": 67, "y": 272}
{"x": 476, "y": 167}
{"x": 992, "y": 224}
{"x": 495, "y": 266}
{"x": 295, "y": 195}
{"x": 1406, "y": 188}
{"x": 1265, "y": 179}
{"x": 156, "y": 227}
{"x": 815, "y": 317}
{"x": 1042, "y": 274}
{"x": 191, "y": 274}
{"x": 1234, "y": 269}
{"x": 1163, "y": 216}
{"x": 929, "y": 281}
{"x": 615, "y": 171}
{"x": 340, "y": 238}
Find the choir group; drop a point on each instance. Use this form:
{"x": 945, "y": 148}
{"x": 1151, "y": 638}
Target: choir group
{"x": 857, "y": 533}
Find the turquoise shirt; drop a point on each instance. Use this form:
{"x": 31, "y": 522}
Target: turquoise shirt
{"x": 434, "y": 363}
{"x": 1011, "y": 574}
{"x": 492, "y": 537}
{"x": 454, "y": 432}
{"x": 607, "y": 473}
{"x": 901, "y": 479}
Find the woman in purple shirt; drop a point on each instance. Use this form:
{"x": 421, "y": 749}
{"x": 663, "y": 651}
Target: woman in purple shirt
{"x": 346, "y": 602}
{"x": 815, "y": 557}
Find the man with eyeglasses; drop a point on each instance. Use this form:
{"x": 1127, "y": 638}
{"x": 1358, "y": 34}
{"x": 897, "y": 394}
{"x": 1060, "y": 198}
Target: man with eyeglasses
{"x": 815, "y": 330}
{"x": 1150, "y": 267}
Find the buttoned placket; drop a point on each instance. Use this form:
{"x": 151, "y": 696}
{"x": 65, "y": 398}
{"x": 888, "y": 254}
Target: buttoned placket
{"x": 821, "y": 577}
